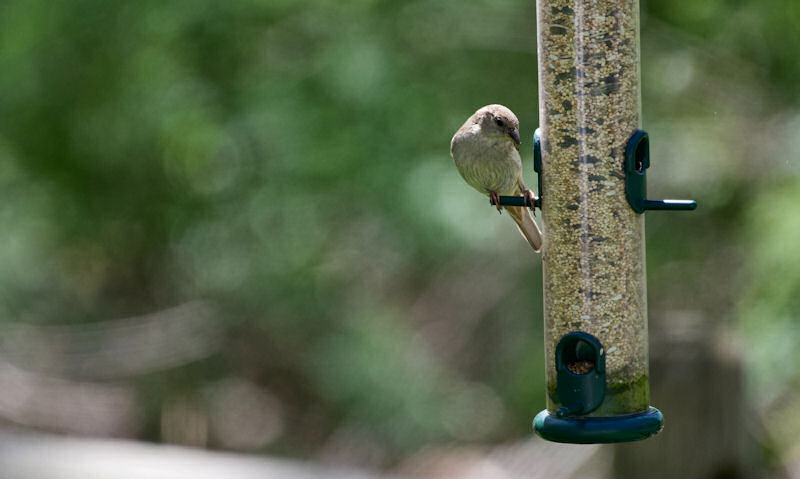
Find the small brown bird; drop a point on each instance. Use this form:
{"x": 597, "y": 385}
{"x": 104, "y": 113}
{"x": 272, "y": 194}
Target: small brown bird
{"x": 486, "y": 152}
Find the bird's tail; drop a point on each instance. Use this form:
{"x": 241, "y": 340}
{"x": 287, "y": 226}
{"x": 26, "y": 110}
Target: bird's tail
{"x": 527, "y": 226}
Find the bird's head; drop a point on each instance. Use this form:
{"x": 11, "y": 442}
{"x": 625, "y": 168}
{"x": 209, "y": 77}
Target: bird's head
{"x": 499, "y": 121}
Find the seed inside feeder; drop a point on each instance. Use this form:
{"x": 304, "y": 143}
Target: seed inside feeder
{"x": 594, "y": 268}
{"x": 580, "y": 367}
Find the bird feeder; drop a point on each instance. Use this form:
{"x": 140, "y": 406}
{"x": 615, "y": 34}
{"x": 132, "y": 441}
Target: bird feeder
{"x": 592, "y": 159}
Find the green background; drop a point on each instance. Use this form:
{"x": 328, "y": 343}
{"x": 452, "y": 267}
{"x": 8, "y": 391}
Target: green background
{"x": 285, "y": 165}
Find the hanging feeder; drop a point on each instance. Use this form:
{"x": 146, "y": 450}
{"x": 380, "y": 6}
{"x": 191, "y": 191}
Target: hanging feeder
{"x": 592, "y": 159}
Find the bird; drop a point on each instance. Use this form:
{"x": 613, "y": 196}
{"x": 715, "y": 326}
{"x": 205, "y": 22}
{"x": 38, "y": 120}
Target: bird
{"x": 486, "y": 153}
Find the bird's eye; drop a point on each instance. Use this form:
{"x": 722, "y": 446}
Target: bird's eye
{"x": 499, "y": 121}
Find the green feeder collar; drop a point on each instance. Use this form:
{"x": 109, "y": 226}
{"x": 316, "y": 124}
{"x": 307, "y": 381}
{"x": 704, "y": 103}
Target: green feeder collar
{"x": 592, "y": 430}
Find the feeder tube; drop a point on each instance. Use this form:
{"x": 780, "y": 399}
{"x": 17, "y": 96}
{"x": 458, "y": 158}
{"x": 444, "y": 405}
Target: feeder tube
{"x": 593, "y": 255}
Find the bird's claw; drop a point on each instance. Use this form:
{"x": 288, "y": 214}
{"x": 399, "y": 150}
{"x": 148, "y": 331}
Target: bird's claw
{"x": 496, "y": 201}
{"x": 530, "y": 200}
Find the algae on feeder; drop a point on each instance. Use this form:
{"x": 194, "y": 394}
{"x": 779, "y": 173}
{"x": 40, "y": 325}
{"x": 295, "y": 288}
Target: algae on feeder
{"x": 593, "y": 254}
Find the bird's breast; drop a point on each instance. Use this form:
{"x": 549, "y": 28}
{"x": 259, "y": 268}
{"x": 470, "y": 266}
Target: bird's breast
{"x": 487, "y": 164}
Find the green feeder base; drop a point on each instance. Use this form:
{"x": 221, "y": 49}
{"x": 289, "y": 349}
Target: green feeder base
{"x": 590, "y": 430}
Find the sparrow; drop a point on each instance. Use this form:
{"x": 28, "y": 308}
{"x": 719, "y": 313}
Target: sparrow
{"x": 486, "y": 152}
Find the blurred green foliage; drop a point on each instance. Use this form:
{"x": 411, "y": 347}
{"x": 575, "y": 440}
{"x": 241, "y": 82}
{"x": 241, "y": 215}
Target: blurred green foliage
{"x": 288, "y": 162}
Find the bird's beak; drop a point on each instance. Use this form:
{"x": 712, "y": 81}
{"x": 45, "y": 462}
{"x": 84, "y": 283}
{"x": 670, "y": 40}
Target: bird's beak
{"x": 514, "y": 134}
